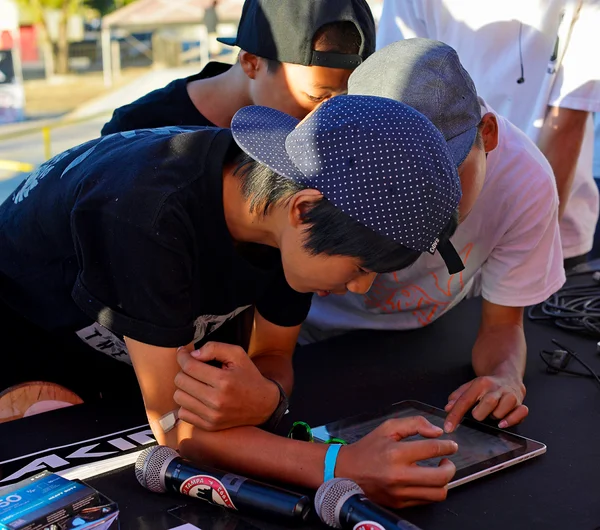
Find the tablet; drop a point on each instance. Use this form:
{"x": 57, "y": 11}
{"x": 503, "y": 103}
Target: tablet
{"x": 481, "y": 449}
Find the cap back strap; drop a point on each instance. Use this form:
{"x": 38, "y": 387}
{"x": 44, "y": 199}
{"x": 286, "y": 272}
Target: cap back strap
{"x": 346, "y": 61}
{"x": 453, "y": 262}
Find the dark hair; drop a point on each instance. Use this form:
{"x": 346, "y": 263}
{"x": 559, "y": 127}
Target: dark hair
{"x": 330, "y": 231}
{"x": 479, "y": 138}
{"x": 272, "y": 65}
{"x": 337, "y": 37}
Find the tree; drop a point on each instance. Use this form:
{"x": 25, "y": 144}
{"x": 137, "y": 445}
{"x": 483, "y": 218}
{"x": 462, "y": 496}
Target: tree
{"x": 104, "y": 7}
{"x": 56, "y": 54}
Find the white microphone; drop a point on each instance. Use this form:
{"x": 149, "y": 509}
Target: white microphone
{"x": 341, "y": 503}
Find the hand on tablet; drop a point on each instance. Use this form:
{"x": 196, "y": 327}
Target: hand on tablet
{"x": 500, "y": 397}
{"x": 386, "y": 467}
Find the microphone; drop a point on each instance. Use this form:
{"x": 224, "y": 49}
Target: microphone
{"x": 161, "y": 469}
{"x": 341, "y": 503}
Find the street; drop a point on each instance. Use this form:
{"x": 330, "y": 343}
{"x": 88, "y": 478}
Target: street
{"x": 30, "y": 148}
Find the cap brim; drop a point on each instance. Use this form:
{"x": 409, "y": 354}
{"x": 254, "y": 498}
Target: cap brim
{"x": 261, "y": 133}
{"x": 461, "y": 145}
{"x": 229, "y": 41}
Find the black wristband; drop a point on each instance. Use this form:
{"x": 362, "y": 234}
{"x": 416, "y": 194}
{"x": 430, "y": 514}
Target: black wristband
{"x": 282, "y": 408}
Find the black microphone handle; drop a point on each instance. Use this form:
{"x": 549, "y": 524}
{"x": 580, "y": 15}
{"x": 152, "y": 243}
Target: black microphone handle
{"x": 234, "y": 492}
{"x": 358, "y": 509}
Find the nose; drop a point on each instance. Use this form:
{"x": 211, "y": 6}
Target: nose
{"x": 362, "y": 284}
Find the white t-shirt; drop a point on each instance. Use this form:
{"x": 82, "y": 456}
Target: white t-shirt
{"x": 509, "y": 243}
{"x": 490, "y": 38}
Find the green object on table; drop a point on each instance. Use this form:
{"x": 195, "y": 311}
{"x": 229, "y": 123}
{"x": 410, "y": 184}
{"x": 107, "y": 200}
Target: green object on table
{"x": 301, "y": 431}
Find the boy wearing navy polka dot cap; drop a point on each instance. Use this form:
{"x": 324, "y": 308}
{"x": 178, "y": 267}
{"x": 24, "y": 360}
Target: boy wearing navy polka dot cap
{"x": 508, "y": 234}
{"x": 200, "y": 223}
{"x": 344, "y": 147}
{"x": 293, "y": 56}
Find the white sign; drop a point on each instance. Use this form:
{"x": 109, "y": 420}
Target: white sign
{"x": 12, "y": 102}
{"x": 9, "y": 16}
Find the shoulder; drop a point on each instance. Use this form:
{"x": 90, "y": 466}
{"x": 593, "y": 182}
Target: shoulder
{"x": 212, "y": 69}
{"x": 151, "y": 110}
{"x": 162, "y": 166}
{"x": 519, "y": 161}
{"x": 160, "y": 94}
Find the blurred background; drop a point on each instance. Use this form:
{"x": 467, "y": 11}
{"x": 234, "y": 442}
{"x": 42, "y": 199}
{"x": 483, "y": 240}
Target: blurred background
{"x": 65, "y": 65}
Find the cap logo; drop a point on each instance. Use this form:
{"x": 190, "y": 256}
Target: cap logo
{"x": 434, "y": 245}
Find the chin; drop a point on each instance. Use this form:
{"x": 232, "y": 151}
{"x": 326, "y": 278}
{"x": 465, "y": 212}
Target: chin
{"x": 296, "y": 283}
{"x": 299, "y": 287}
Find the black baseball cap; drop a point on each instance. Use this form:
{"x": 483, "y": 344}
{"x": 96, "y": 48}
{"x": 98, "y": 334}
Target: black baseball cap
{"x": 283, "y": 30}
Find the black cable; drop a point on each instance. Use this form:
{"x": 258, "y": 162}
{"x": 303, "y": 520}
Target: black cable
{"x": 522, "y": 78}
{"x": 575, "y": 308}
{"x": 578, "y": 359}
{"x": 553, "y": 368}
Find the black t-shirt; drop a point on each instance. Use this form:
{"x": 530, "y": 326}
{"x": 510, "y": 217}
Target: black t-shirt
{"x": 126, "y": 236}
{"x": 170, "y": 105}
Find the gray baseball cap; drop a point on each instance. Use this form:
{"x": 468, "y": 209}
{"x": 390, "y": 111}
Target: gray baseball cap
{"x": 426, "y": 75}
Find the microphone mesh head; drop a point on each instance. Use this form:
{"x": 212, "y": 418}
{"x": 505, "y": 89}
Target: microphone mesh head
{"x": 149, "y": 464}
{"x": 330, "y": 497}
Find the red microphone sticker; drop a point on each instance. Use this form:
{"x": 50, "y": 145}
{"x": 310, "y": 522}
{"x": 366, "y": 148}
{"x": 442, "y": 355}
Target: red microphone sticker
{"x": 368, "y": 525}
{"x": 208, "y": 489}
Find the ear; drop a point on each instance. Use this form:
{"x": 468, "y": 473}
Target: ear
{"x": 250, "y": 63}
{"x": 489, "y": 132}
{"x": 300, "y": 204}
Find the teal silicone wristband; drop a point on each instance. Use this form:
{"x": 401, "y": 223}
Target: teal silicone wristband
{"x": 330, "y": 461}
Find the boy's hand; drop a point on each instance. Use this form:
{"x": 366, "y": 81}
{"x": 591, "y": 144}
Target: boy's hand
{"x": 498, "y": 396}
{"x": 233, "y": 395}
{"x": 386, "y": 467}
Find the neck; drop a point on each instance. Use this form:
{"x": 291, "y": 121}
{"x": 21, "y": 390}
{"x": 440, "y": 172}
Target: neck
{"x": 219, "y": 98}
{"x": 243, "y": 225}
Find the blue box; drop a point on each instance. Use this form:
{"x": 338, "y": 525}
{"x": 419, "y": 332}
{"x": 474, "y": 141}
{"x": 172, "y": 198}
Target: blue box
{"x": 42, "y": 500}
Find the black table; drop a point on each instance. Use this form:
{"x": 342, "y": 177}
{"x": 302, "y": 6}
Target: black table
{"x": 362, "y": 371}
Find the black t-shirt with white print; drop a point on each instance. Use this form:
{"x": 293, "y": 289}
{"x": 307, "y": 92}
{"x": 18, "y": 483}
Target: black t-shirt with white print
{"x": 170, "y": 105}
{"x": 126, "y": 236}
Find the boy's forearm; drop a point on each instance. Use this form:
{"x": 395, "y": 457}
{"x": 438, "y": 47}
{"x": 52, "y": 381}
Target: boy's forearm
{"x": 560, "y": 140}
{"x": 500, "y": 348}
{"x": 253, "y": 452}
{"x": 500, "y": 351}
{"x": 276, "y": 367}
{"x": 271, "y": 349}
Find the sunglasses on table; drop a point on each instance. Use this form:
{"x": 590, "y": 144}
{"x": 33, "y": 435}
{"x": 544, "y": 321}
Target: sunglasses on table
{"x": 301, "y": 431}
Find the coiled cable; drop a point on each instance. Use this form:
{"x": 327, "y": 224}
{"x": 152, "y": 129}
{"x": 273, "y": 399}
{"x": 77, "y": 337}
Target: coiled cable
{"x": 574, "y": 308}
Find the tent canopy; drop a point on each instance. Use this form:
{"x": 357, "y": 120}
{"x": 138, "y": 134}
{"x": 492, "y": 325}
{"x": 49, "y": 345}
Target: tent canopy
{"x": 156, "y": 14}
{"x": 159, "y": 13}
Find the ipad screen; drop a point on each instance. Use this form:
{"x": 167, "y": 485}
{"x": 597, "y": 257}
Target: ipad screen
{"x": 476, "y": 443}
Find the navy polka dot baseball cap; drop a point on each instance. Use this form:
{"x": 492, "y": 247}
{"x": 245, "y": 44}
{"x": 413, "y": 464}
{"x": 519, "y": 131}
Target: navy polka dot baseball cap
{"x": 378, "y": 160}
